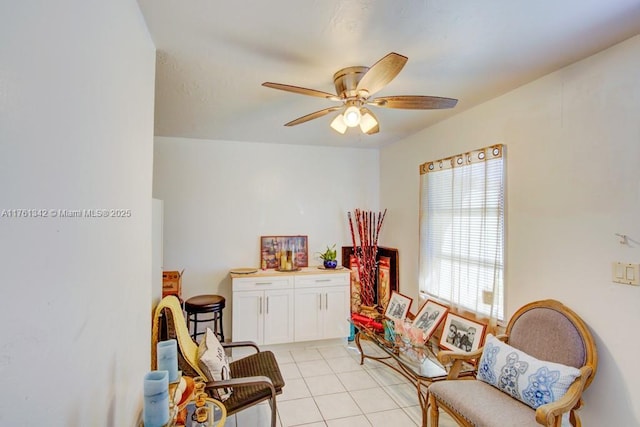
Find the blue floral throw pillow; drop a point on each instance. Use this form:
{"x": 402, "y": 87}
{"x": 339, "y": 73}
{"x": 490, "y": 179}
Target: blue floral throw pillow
{"x": 532, "y": 381}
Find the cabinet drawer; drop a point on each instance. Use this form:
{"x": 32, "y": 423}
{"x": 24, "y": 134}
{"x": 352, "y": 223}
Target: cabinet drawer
{"x": 338, "y": 279}
{"x": 262, "y": 283}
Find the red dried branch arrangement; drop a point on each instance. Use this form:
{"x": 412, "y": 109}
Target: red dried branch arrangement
{"x": 368, "y": 225}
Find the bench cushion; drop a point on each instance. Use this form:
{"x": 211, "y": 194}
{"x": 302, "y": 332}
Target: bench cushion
{"x": 482, "y": 404}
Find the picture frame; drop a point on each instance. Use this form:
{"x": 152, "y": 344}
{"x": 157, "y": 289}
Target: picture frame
{"x": 272, "y": 248}
{"x": 394, "y": 266}
{"x": 461, "y": 334}
{"x": 387, "y": 278}
{"x": 383, "y": 282}
{"x": 398, "y": 307}
{"x": 356, "y": 301}
{"x": 429, "y": 317}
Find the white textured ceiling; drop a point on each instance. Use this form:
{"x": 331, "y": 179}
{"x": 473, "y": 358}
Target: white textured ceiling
{"x": 213, "y": 55}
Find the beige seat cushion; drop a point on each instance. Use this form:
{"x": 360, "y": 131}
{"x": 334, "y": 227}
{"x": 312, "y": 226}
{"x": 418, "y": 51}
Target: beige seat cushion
{"x": 483, "y": 405}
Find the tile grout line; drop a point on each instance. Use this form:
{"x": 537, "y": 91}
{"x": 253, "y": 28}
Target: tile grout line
{"x": 362, "y": 368}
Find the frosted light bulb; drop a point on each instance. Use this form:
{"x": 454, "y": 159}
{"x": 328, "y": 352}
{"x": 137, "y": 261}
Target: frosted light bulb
{"x": 352, "y": 116}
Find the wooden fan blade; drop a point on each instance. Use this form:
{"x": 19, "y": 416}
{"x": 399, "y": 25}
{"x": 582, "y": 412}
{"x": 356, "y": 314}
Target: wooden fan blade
{"x": 313, "y": 116}
{"x": 302, "y": 90}
{"x": 411, "y": 102}
{"x": 381, "y": 73}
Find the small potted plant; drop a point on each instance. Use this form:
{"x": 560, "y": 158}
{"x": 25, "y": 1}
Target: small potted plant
{"x": 329, "y": 257}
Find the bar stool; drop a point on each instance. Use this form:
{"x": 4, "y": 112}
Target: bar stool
{"x": 203, "y": 304}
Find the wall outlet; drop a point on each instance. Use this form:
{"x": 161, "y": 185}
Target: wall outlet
{"x": 627, "y": 274}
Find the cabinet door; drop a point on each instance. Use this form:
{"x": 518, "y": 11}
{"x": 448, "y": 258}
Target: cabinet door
{"x": 278, "y": 316}
{"x": 248, "y": 315}
{"x": 308, "y": 314}
{"x": 336, "y": 311}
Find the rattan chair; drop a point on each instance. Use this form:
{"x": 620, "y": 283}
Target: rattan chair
{"x": 546, "y": 330}
{"x": 254, "y": 378}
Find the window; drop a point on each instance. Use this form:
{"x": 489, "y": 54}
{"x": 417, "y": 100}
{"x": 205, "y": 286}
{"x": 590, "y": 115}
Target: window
{"x": 462, "y": 231}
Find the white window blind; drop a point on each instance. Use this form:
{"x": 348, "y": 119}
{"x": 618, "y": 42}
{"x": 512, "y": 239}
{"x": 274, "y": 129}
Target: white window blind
{"x": 462, "y": 231}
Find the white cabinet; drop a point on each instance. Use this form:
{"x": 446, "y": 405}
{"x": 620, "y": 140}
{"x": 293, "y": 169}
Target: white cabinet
{"x": 263, "y": 309}
{"x": 321, "y": 307}
{"x": 278, "y": 316}
{"x": 272, "y": 307}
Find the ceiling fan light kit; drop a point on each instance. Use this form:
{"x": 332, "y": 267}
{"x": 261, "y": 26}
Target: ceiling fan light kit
{"x": 354, "y": 87}
{"x": 352, "y": 116}
{"x": 368, "y": 122}
{"x": 338, "y": 124}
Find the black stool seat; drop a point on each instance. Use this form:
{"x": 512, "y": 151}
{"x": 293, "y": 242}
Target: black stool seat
{"x": 202, "y": 304}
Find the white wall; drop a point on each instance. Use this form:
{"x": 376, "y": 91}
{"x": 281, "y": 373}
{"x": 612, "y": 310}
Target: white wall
{"x": 76, "y": 132}
{"x": 157, "y": 257}
{"x": 572, "y": 154}
{"x": 220, "y": 197}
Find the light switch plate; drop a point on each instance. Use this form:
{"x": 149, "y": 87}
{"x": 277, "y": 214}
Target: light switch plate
{"x": 624, "y": 273}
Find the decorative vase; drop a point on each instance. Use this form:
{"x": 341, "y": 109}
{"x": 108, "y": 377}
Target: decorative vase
{"x": 330, "y": 263}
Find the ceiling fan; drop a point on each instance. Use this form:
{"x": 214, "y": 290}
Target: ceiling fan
{"x": 354, "y": 88}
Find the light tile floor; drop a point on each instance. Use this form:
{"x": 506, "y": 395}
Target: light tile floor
{"x": 327, "y": 387}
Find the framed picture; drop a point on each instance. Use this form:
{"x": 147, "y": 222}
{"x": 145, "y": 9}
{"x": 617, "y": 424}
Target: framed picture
{"x": 394, "y": 274}
{"x": 387, "y": 275}
{"x": 292, "y": 248}
{"x": 384, "y": 284}
{"x": 429, "y": 317}
{"x": 461, "y": 334}
{"x": 398, "y": 306}
{"x": 356, "y": 301}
